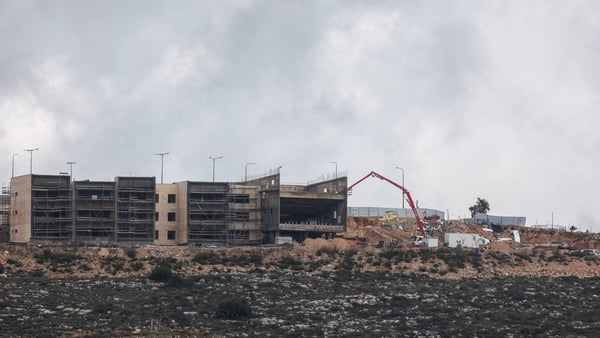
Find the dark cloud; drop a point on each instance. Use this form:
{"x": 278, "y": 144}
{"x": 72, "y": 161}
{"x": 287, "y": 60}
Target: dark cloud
{"x": 472, "y": 99}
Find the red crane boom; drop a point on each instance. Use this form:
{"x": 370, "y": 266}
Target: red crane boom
{"x": 406, "y": 192}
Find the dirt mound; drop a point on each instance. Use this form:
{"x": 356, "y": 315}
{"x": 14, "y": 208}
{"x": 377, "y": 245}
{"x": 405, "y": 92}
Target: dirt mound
{"x": 362, "y": 221}
{"x": 340, "y": 244}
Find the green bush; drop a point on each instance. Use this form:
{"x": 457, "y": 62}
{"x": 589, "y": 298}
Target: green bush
{"x": 233, "y": 308}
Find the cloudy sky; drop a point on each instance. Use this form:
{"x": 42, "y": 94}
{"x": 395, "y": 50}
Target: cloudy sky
{"x": 492, "y": 99}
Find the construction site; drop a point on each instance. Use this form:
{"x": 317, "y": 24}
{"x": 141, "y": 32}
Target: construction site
{"x": 46, "y": 209}
{"x": 342, "y": 275}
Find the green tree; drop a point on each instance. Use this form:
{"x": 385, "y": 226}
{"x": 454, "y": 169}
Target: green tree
{"x": 480, "y": 207}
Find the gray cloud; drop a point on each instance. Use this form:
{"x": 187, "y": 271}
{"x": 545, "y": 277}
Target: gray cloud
{"x": 495, "y": 100}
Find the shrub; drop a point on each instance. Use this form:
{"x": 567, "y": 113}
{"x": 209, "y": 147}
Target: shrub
{"x": 245, "y": 260}
{"x": 137, "y": 266}
{"x": 332, "y": 252}
{"x": 289, "y": 262}
{"x": 14, "y": 262}
{"x": 346, "y": 263}
{"x": 161, "y": 273}
{"x": 55, "y": 258}
{"x": 208, "y": 258}
{"x": 37, "y": 273}
{"x": 85, "y": 267}
{"x": 233, "y": 308}
{"x": 131, "y": 253}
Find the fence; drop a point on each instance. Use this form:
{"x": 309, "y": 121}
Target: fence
{"x": 378, "y": 211}
{"x": 498, "y": 220}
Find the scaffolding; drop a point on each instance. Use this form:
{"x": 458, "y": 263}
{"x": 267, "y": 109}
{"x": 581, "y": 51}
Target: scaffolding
{"x": 5, "y": 214}
{"x": 94, "y": 211}
{"x": 224, "y": 214}
{"x": 135, "y": 209}
{"x": 244, "y": 215}
{"x": 51, "y": 211}
{"x": 208, "y": 208}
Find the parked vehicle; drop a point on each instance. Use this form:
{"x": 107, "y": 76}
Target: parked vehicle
{"x": 592, "y": 252}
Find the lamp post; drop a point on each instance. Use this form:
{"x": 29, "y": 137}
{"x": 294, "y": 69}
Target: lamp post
{"x": 246, "y": 171}
{"x": 402, "y": 185}
{"x": 71, "y": 168}
{"x": 31, "y": 158}
{"x": 335, "y": 168}
{"x": 162, "y": 155}
{"x": 13, "y": 166}
{"x": 214, "y": 159}
{"x": 278, "y": 168}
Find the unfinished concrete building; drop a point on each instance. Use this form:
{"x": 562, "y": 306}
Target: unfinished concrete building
{"x": 51, "y": 208}
{"x": 5, "y": 214}
{"x": 244, "y": 215}
{"x": 135, "y": 209}
{"x": 207, "y": 206}
{"x": 94, "y": 211}
{"x": 301, "y": 211}
{"x": 208, "y": 213}
{"x": 170, "y": 220}
{"x": 41, "y": 208}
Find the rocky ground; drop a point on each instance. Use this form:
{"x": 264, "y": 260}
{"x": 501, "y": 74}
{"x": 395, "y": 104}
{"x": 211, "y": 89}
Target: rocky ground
{"x": 347, "y": 286}
{"x": 341, "y": 303}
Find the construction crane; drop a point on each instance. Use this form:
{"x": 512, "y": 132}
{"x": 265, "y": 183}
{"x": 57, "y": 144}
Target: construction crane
{"x": 406, "y": 192}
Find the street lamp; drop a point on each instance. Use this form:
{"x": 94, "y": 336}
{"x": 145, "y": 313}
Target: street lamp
{"x": 13, "y": 166}
{"x": 402, "y": 185}
{"x": 71, "y": 168}
{"x": 214, "y": 159}
{"x": 31, "y": 158}
{"x": 278, "y": 168}
{"x": 246, "y": 172}
{"x": 162, "y": 155}
{"x": 335, "y": 168}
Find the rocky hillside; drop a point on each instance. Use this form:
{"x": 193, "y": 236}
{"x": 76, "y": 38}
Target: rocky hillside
{"x": 366, "y": 247}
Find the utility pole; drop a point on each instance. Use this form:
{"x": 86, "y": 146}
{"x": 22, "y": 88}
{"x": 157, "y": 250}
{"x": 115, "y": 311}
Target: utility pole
{"x": 402, "y": 185}
{"x": 246, "y": 171}
{"x": 13, "y": 166}
{"x": 31, "y": 158}
{"x": 335, "y": 168}
{"x": 71, "y": 169}
{"x": 162, "y": 155}
{"x": 214, "y": 159}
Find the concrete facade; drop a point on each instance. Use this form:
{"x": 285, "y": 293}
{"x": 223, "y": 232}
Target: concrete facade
{"x": 136, "y": 210}
{"x": 170, "y": 220}
{"x": 302, "y": 211}
{"x": 51, "y": 208}
{"x": 41, "y": 208}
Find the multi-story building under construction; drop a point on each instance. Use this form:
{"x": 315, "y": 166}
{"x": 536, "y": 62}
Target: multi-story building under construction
{"x": 136, "y": 210}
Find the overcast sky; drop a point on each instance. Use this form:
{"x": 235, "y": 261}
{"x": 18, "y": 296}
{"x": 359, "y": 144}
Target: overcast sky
{"x": 491, "y": 99}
